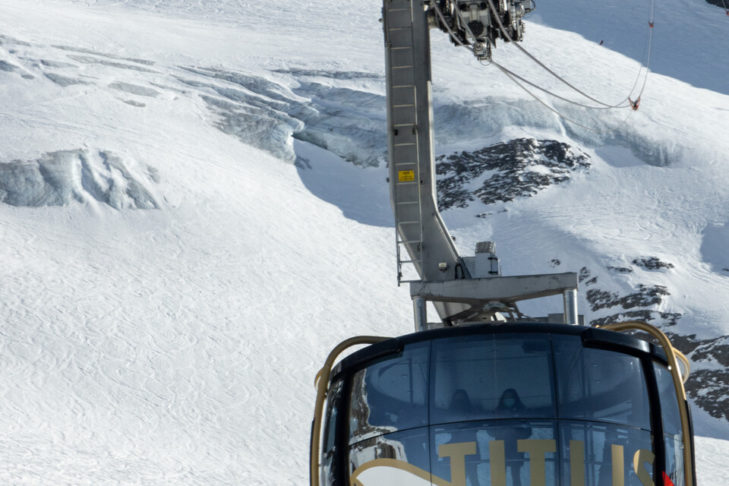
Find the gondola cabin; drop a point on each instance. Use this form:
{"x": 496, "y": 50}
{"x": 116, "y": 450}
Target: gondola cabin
{"x": 503, "y": 405}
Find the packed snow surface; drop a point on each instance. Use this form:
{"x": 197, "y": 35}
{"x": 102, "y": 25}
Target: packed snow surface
{"x": 193, "y": 211}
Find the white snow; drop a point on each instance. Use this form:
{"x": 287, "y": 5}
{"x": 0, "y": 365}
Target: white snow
{"x": 178, "y": 345}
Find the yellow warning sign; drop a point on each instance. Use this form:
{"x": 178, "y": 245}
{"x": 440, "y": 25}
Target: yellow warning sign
{"x": 405, "y": 175}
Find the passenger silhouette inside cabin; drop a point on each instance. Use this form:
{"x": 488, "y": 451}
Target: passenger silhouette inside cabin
{"x": 460, "y": 403}
{"x": 510, "y": 402}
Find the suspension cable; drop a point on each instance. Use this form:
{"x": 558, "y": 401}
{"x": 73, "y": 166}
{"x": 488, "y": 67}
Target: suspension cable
{"x": 512, "y": 76}
{"x": 625, "y": 103}
{"x": 621, "y": 104}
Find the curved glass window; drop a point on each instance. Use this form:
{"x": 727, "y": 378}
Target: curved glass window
{"x": 672, "y": 434}
{"x": 506, "y": 452}
{"x": 331, "y": 430}
{"x": 390, "y": 395}
{"x": 595, "y": 384}
{"x": 491, "y": 376}
{"x": 597, "y": 454}
{"x": 508, "y": 410}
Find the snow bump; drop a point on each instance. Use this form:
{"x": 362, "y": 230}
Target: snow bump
{"x": 58, "y": 178}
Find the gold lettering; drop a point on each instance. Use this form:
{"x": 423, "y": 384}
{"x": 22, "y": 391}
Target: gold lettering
{"x": 642, "y": 457}
{"x": 618, "y": 465}
{"x": 457, "y": 452}
{"x": 497, "y": 456}
{"x": 537, "y": 450}
{"x": 577, "y": 463}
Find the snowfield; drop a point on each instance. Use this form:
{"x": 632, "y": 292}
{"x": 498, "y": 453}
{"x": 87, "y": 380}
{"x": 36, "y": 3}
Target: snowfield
{"x": 193, "y": 211}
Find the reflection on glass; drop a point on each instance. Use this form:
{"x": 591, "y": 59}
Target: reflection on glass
{"x": 671, "y": 424}
{"x": 409, "y": 447}
{"x": 502, "y": 376}
{"x": 604, "y": 454}
{"x": 390, "y": 395}
{"x": 513, "y": 453}
{"x": 330, "y": 433}
{"x": 595, "y": 384}
{"x": 509, "y": 410}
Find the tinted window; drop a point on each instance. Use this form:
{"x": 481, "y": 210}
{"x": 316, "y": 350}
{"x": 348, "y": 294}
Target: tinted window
{"x": 669, "y": 402}
{"x": 390, "y": 395}
{"x": 328, "y": 459}
{"x": 497, "y": 452}
{"x": 500, "y": 376}
{"x": 598, "y": 454}
{"x": 333, "y": 404}
{"x": 671, "y": 424}
{"x": 410, "y": 446}
{"x": 596, "y": 384}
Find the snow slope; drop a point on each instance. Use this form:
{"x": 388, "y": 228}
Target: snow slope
{"x": 177, "y": 263}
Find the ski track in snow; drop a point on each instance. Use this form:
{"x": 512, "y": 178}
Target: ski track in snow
{"x": 178, "y": 345}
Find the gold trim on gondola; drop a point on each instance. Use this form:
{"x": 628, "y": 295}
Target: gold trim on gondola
{"x": 673, "y": 356}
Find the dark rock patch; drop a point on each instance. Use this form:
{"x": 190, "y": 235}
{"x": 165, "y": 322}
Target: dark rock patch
{"x": 620, "y": 269}
{"x": 652, "y": 263}
{"x": 584, "y": 274}
{"x": 709, "y": 389}
{"x": 656, "y": 318}
{"x": 519, "y": 168}
{"x": 715, "y": 349}
{"x": 645, "y": 296}
{"x": 316, "y": 73}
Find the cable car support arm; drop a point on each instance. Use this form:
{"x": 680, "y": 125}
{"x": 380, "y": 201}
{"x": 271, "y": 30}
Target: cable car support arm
{"x": 462, "y": 289}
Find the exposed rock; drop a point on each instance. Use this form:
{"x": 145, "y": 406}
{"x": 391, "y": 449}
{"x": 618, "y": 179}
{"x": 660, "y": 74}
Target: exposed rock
{"x": 709, "y": 389}
{"x": 584, "y": 274}
{"x": 620, "y": 269}
{"x": 716, "y": 350}
{"x": 502, "y": 172}
{"x": 645, "y": 296}
{"x": 652, "y": 263}
{"x": 660, "y": 319}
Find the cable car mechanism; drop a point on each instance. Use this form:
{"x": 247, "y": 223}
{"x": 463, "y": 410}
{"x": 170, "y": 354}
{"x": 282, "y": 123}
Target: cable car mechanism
{"x": 483, "y": 397}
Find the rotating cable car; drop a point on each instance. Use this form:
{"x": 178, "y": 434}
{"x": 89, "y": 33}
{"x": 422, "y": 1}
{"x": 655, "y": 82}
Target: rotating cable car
{"x": 504, "y": 404}
{"x": 481, "y": 397}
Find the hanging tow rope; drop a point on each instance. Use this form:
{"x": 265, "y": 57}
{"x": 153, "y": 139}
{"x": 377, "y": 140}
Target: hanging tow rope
{"x": 515, "y": 78}
{"x": 625, "y": 103}
{"x": 622, "y": 104}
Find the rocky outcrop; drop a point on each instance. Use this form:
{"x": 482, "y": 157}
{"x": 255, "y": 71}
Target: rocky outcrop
{"x": 505, "y": 171}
